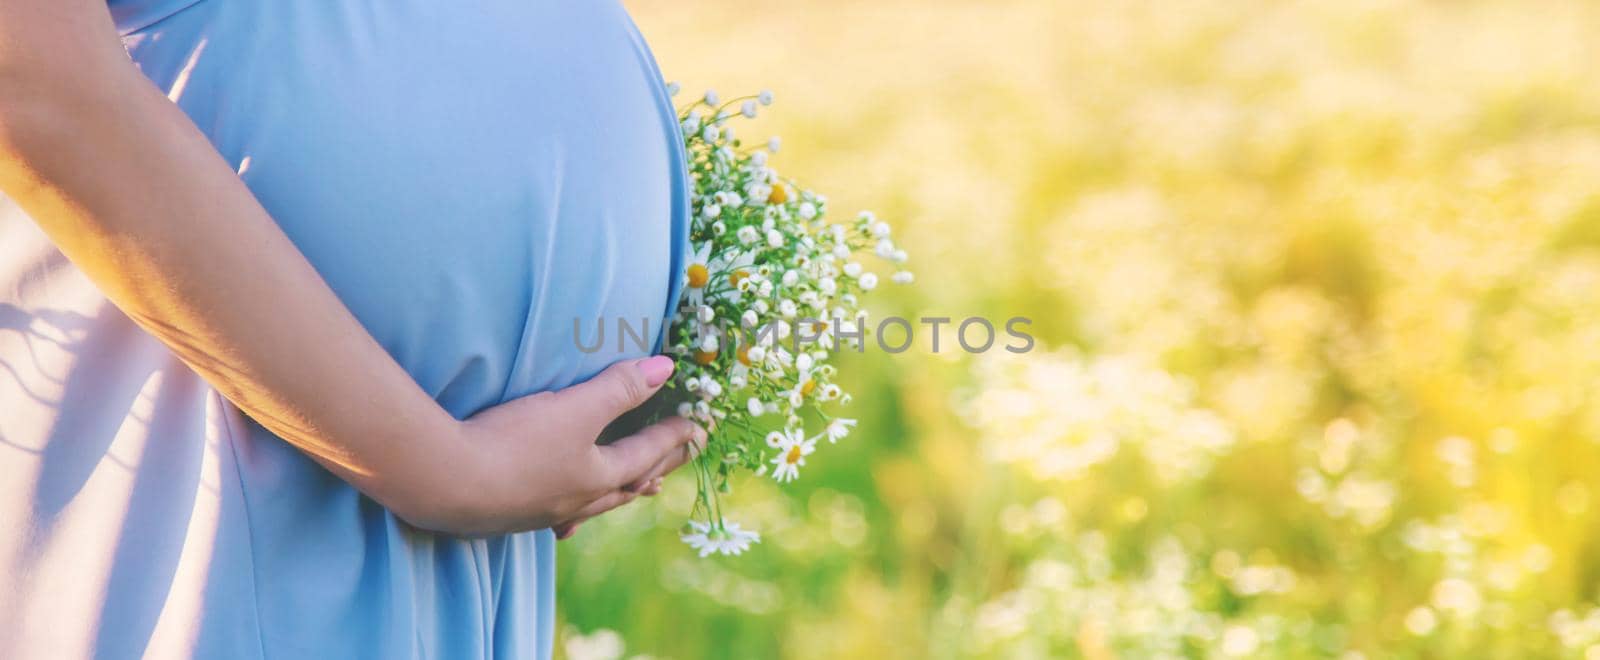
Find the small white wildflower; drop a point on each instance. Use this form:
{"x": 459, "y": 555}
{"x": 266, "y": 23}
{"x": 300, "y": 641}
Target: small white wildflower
{"x": 868, "y": 281}
{"x": 765, "y": 97}
{"x": 709, "y": 134}
{"x": 773, "y": 143}
{"x": 756, "y": 354}
{"x": 808, "y": 210}
{"x": 852, "y": 269}
{"x": 711, "y": 97}
{"x": 791, "y": 457}
{"x": 787, "y": 308}
{"x": 719, "y": 228}
{"x": 673, "y": 88}
{"x": 754, "y": 405}
{"x": 748, "y": 235}
{"x": 903, "y": 277}
{"x": 839, "y": 428}
{"x": 758, "y": 192}
{"x": 899, "y": 256}
{"x": 748, "y": 109}
{"x": 749, "y": 318}
{"x": 885, "y": 249}
{"x": 711, "y": 210}
{"x": 774, "y": 238}
{"x": 727, "y": 540}
{"x": 881, "y": 230}
{"x": 790, "y": 278}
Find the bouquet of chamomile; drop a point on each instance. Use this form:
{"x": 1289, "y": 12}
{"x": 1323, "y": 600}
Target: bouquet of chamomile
{"x": 772, "y": 291}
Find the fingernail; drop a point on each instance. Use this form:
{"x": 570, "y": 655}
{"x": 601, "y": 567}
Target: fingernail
{"x": 656, "y": 369}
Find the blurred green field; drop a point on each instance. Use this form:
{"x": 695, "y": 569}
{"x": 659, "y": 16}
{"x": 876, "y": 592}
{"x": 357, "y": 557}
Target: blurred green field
{"x": 1317, "y": 293}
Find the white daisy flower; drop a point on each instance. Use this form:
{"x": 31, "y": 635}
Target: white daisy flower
{"x": 885, "y": 249}
{"x": 838, "y": 429}
{"x": 730, "y": 539}
{"x": 791, "y": 456}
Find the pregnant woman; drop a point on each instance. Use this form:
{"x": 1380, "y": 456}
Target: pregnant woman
{"x": 369, "y": 226}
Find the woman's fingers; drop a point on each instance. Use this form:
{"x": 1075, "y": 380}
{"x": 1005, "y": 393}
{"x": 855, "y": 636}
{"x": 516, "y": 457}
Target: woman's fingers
{"x": 610, "y": 501}
{"x": 621, "y": 387}
{"x": 653, "y": 451}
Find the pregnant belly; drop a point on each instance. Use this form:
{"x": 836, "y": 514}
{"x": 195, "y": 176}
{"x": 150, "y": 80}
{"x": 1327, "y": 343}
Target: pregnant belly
{"x": 469, "y": 182}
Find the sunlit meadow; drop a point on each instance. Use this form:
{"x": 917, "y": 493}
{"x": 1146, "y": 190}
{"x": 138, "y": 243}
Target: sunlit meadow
{"x": 1316, "y": 287}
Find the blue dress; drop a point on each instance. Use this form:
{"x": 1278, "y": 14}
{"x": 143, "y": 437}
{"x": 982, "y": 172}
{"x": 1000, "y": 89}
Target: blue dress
{"x": 470, "y": 178}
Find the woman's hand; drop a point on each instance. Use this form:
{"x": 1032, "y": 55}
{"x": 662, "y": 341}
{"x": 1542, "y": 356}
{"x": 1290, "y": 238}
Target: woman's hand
{"x": 130, "y": 191}
{"x": 540, "y": 465}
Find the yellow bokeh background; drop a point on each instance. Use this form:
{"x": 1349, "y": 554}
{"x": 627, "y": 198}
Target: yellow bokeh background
{"x": 1316, "y": 293}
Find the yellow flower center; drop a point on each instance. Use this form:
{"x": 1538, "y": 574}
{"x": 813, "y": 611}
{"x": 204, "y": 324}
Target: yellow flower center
{"x": 705, "y": 357}
{"x": 698, "y": 276}
{"x": 793, "y": 456}
{"x": 736, "y": 276}
{"x": 744, "y": 355}
{"x": 779, "y": 195}
{"x": 808, "y": 387}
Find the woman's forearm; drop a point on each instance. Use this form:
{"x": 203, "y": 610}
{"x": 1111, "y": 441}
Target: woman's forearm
{"x": 137, "y": 198}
